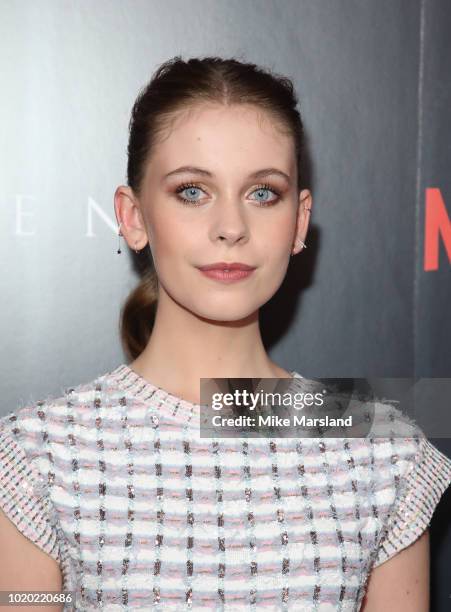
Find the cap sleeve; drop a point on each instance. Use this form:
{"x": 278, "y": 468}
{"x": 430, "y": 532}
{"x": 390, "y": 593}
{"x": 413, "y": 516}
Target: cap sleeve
{"x": 23, "y": 496}
{"x": 428, "y": 476}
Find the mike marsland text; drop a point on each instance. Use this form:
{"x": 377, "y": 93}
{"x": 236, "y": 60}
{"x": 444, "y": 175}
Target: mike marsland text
{"x": 273, "y": 420}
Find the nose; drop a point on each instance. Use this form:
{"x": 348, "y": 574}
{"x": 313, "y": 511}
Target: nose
{"x": 230, "y": 223}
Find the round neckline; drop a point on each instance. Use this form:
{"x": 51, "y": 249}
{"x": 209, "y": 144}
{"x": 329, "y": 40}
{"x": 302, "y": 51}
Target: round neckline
{"x": 129, "y": 380}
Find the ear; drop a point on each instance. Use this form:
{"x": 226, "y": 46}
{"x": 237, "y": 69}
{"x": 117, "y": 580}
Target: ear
{"x": 303, "y": 219}
{"x": 129, "y": 217}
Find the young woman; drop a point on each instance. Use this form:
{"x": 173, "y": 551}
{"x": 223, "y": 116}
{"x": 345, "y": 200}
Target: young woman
{"x": 111, "y": 490}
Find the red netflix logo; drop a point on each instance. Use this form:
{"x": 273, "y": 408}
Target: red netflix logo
{"x": 437, "y": 224}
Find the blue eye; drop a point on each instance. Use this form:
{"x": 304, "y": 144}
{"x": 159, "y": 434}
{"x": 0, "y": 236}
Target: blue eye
{"x": 191, "y": 189}
{"x": 263, "y": 190}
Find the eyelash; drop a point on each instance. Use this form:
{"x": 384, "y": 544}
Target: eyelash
{"x": 196, "y": 203}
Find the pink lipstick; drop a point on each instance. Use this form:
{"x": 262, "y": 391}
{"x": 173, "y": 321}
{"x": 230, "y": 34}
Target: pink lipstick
{"x": 227, "y": 272}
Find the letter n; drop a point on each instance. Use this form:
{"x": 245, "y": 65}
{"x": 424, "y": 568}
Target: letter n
{"x": 436, "y": 222}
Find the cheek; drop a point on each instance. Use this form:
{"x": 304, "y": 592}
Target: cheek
{"x": 276, "y": 239}
{"x": 168, "y": 234}
{"x": 173, "y": 247}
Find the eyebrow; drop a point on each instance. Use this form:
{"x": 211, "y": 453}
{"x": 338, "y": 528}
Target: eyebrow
{"x": 201, "y": 171}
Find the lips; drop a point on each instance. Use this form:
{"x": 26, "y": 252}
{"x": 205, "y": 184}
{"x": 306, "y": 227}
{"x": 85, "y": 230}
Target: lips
{"x": 223, "y": 265}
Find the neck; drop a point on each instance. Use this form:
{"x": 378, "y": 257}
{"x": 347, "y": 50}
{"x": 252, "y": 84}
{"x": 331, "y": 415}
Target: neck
{"x": 184, "y": 347}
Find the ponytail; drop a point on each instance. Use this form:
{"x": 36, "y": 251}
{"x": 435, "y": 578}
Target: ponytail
{"x": 138, "y": 314}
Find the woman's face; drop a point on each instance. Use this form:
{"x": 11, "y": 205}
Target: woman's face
{"x": 229, "y": 214}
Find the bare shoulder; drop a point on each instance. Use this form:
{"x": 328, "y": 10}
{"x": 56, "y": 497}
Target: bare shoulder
{"x": 402, "y": 582}
{"x": 25, "y": 567}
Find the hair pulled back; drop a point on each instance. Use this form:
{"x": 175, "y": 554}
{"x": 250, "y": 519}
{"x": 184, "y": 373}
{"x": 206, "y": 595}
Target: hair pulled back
{"x": 179, "y": 85}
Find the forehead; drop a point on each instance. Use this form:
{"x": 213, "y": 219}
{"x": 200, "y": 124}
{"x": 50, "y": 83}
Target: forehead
{"x": 223, "y": 138}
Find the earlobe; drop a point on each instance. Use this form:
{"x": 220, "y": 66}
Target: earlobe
{"x": 303, "y": 246}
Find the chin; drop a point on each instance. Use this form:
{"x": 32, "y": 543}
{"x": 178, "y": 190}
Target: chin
{"x": 227, "y": 310}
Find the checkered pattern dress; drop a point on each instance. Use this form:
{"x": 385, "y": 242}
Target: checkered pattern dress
{"x": 113, "y": 481}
